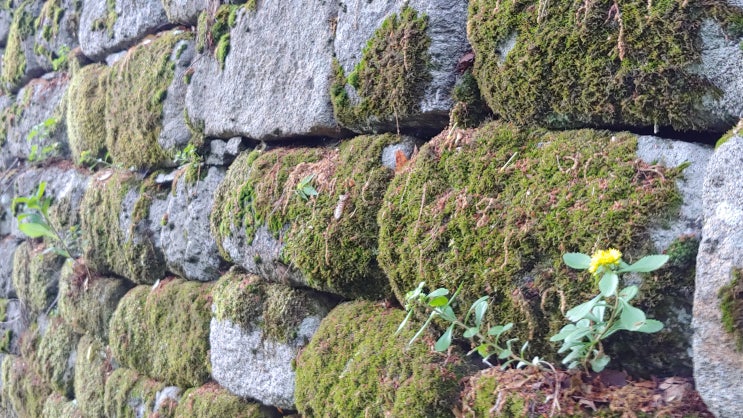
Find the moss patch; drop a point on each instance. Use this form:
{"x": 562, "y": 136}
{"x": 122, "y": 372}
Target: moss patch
{"x": 36, "y": 276}
{"x": 136, "y": 87}
{"x": 93, "y": 365}
{"x": 55, "y": 357}
{"x": 495, "y": 209}
{"x": 332, "y": 237}
{"x": 88, "y": 305}
{"x": 213, "y": 32}
{"x": 57, "y": 406}
{"x": 731, "y": 305}
{"x": 212, "y": 401}
{"x": 14, "y": 57}
{"x": 108, "y": 21}
{"x": 86, "y": 105}
{"x": 356, "y": 366}
{"x": 391, "y": 76}
{"x": 22, "y": 388}
{"x": 250, "y": 302}
{"x": 127, "y": 392}
{"x": 164, "y": 333}
{"x": 600, "y": 64}
{"x": 109, "y": 249}
{"x": 469, "y": 109}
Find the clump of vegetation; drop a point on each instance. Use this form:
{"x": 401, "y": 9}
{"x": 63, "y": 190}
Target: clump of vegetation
{"x": 352, "y": 367}
{"x": 54, "y": 359}
{"x": 14, "y": 57}
{"x": 391, "y": 76}
{"x": 213, "y": 31}
{"x": 164, "y": 332}
{"x": 212, "y": 401}
{"x": 93, "y": 365}
{"x": 731, "y": 305}
{"x": 22, "y": 388}
{"x": 469, "y": 109}
{"x": 36, "y": 276}
{"x": 86, "y": 109}
{"x": 127, "y": 393}
{"x": 600, "y": 64}
{"x": 57, "y": 405}
{"x": 108, "y": 21}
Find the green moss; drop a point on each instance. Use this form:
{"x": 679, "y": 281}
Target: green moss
{"x": 94, "y": 363}
{"x": 134, "y": 102}
{"x": 213, "y": 32}
{"x": 86, "y": 104}
{"x": 4, "y": 310}
{"x": 355, "y": 365}
{"x": 495, "y": 209}
{"x": 334, "y": 253}
{"x": 108, "y": 21}
{"x": 106, "y": 247}
{"x": 731, "y": 306}
{"x": 14, "y": 58}
{"x": 57, "y": 406}
{"x": 55, "y": 357}
{"x": 250, "y": 302}
{"x": 49, "y": 19}
{"x": 469, "y": 108}
{"x": 5, "y": 341}
{"x": 391, "y": 76}
{"x": 87, "y": 304}
{"x": 22, "y": 388}
{"x": 128, "y": 392}
{"x": 598, "y": 64}
{"x": 36, "y": 276}
{"x": 212, "y": 401}
{"x": 164, "y": 332}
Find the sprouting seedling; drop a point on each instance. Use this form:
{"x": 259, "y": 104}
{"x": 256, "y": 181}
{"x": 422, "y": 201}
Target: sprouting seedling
{"x": 304, "y": 189}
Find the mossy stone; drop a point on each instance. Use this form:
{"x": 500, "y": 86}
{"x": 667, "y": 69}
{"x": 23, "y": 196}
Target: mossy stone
{"x": 469, "y": 109}
{"x": 87, "y": 303}
{"x": 355, "y": 365}
{"x": 389, "y": 81}
{"x": 136, "y": 87}
{"x": 164, "y": 332}
{"x": 603, "y": 64}
{"x": 22, "y": 388}
{"x": 212, "y": 401}
{"x": 94, "y": 363}
{"x": 58, "y": 406}
{"x": 55, "y": 357}
{"x": 731, "y": 306}
{"x": 128, "y": 394}
{"x": 86, "y": 109}
{"x": 109, "y": 249}
{"x": 14, "y": 57}
{"x": 36, "y": 275}
{"x": 494, "y": 209}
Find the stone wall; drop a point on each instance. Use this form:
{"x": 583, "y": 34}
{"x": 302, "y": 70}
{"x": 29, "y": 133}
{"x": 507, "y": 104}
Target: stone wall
{"x": 240, "y": 196}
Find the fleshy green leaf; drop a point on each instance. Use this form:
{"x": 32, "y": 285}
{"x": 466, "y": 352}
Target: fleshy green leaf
{"x": 578, "y": 261}
{"x": 628, "y": 293}
{"x": 650, "y": 326}
{"x": 500, "y": 329}
{"x": 35, "y": 230}
{"x": 647, "y": 264}
{"x": 578, "y": 312}
{"x": 448, "y": 313}
{"x": 438, "y": 301}
{"x": 445, "y": 340}
{"x": 608, "y": 284}
{"x": 599, "y": 363}
{"x": 438, "y": 292}
{"x": 404, "y": 322}
{"x": 471, "y": 332}
{"x": 480, "y": 311}
{"x": 631, "y": 318}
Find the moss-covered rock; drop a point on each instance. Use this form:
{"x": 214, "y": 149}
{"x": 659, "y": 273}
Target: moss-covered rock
{"x": 129, "y": 395}
{"x": 87, "y": 303}
{"x": 329, "y": 239}
{"x": 469, "y": 109}
{"x": 495, "y": 209}
{"x": 22, "y": 388}
{"x": 357, "y": 366}
{"x": 731, "y": 306}
{"x": 136, "y": 87}
{"x": 389, "y": 81}
{"x": 212, "y": 401}
{"x": 55, "y": 357}
{"x": 93, "y": 365}
{"x": 86, "y": 109}
{"x": 36, "y": 275}
{"x": 57, "y": 406}
{"x": 164, "y": 332}
{"x": 18, "y": 49}
{"x": 115, "y": 236}
{"x": 213, "y": 32}
{"x": 562, "y": 64}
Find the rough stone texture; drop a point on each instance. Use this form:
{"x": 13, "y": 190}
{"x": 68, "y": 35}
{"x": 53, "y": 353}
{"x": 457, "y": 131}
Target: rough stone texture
{"x": 55, "y": 34}
{"x": 668, "y": 153}
{"x": 36, "y": 103}
{"x": 132, "y": 20}
{"x": 248, "y": 366}
{"x": 721, "y": 58}
{"x": 19, "y": 59}
{"x": 181, "y": 224}
{"x": 359, "y": 19}
{"x": 718, "y": 367}
{"x": 390, "y": 152}
{"x": 284, "y": 80}
{"x": 175, "y": 134}
{"x": 15, "y": 323}
{"x": 6, "y": 16}
{"x": 184, "y": 11}
{"x": 224, "y": 152}
{"x": 8, "y": 246}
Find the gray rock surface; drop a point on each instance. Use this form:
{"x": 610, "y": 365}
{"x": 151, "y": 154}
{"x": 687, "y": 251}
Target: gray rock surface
{"x": 103, "y": 31}
{"x": 182, "y": 227}
{"x": 54, "y": 39}
{"x": 6, "y": 16}
{"x": 8, "y": 246}
{"x": 175, "y": 133}
{"x": 718, "y": 366}
{"x": 283, "y": 81}
{"x": 38, "y": 102}
{"x": 224, "y": 152}
{"x": 185, "y": 12}
{"x": 33, "y": 66}
{"x": 447, "y": 20}
{"x": 389, "y": 153}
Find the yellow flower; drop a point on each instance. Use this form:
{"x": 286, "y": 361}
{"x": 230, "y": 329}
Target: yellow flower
{"x": 602, "y": 258}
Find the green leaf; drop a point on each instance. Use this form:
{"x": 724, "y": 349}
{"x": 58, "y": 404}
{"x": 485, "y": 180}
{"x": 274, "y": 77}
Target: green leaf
{"x": 564, "y": 332}
{"x": 500, "y": 329}
{"x": 480, "y": 311}
{"x": 599, "y": 363}
{"x": 578, "y": 261}
{"x": 40, "y": 191}
{"x": 404, "y": 322}
{"x": 650, "y": 326}
{"x": 504, "y": 354}
{"x": 34, "y": 230}
{"x": 647, "y": 264}
{"x": 628, "y": 293}
{"x": 445, "y": 340}
{"x": 413, "y": 294}
{"x": 608, "y": 284}
{"x": 577, "y": 313}
{"x": 447, "y": 313}
{"x": 631, "y": 318}
{"x": 482, "y": 350}
{"x": 438, "y": 292}
{"x": 438, "y": 301}
{"x": 471, "y": 332}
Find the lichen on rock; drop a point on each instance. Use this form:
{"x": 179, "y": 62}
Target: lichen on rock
{"x": 164, "y": 332}
{"x": 356, "y": 365}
